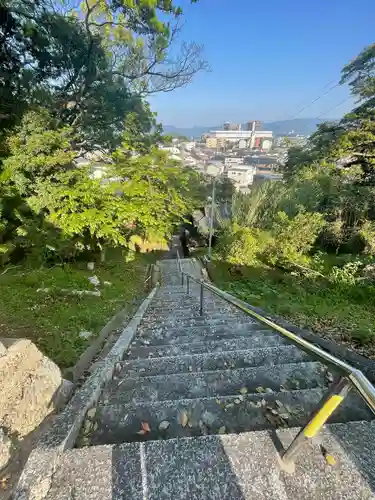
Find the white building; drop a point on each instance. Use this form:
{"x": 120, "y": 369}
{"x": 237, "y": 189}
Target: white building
{"x": 238, "y": 135}
{"x": 266, "y": 144}
{"x": 214, "y": 169}
{"x": 241, "y": 175}
{"x": 171, "y": 149}
{"x": 233, "y": 160}
{"x": 189, "y": 146}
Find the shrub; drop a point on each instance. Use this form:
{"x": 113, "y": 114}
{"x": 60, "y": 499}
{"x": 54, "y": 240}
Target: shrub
{"x": 345, "y": 275}
{"x": 242, "y": 245}
{"x": 293, "y": 237}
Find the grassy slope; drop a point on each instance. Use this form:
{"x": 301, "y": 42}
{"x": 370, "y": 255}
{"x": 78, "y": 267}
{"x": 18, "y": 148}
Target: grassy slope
{"x": 346, "y": 316}
{"x": 54, "y": 320}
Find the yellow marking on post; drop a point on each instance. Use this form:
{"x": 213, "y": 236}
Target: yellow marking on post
{"x": 322, "y": 416}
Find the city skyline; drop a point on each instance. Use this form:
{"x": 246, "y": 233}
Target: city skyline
{"x": 268, "y": 60}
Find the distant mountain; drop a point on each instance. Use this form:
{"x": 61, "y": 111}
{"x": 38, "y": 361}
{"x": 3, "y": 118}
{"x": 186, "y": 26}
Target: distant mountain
{"x": 302, "y": 126}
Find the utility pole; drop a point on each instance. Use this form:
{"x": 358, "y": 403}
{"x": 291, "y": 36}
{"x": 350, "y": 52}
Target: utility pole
{"x": 212, "y": 218}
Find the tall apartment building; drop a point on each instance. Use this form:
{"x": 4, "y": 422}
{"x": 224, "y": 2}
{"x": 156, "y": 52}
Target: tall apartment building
{"x": 254, "y": 125}
{"x": 231, "y": 126}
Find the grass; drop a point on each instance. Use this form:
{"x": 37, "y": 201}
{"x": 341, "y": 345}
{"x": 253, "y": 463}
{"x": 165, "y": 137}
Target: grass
{"x": 54, "y": 320}
{"x": 341, "y": 313}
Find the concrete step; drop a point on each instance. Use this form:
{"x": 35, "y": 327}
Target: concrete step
{"x": 117, "y": 423}
{"x": 193, "y": 308}
{"x": 190, "y": 313}
{"x": 260, "y": 338}
{"x": 199, "y": 330}
{"x": 214, "y": 346}
{"x": 229, "y": 467}
{"x": 210, "y": 320}
{"x": 214, "y": 383}
{"x": 209, "y": 362}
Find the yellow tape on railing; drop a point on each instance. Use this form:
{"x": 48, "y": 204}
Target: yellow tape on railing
{"x": 322, "y": 416}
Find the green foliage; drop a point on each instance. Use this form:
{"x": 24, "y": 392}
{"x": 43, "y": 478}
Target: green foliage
{"x": 73, "y": 81}
{"x": 293, "y": 237}
{"x": 54, "y": 320}
{"x": 37, "y": 150}
{"x": 345, "y": 275}
{"x": 337, "y": 311}
{"x": 242, "y": 245}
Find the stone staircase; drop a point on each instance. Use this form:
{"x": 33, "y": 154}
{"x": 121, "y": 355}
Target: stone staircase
{"x": 198, "y": 408}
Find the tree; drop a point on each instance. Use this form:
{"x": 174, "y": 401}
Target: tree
{"x": 137, "y": 196}
{"x": 140, "y": 38}
{"x": 359, "y": 124}
{"x": 73, "y": 80}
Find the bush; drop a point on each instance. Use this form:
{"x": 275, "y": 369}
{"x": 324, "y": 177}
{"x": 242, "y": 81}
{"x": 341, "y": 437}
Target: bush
{"x": 242, "y": 245}
{"x": 345, "y": 275}
{"x": 293, "y": 237}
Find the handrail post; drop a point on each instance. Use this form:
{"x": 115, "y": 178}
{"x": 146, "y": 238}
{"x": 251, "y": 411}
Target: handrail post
{"x": 182, "y": 279}
{"x": 319, "y": 417}
{"x": 201, "y": 300}
{"x": 187, "y": 284}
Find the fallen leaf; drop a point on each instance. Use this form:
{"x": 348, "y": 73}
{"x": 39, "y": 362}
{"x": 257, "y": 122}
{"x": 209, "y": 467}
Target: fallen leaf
{"x": 269, "y": 390}
{"x": 141, "y": 432}
{"x": 260, "y": 389}
{"x": 237, "y": 401}
{"x": 4, "y": 482}
{"x": 285, "y": 416}
{"x": 146, "y": 426}
{"x": 263, "y": 402}
{"x": 164, "y": 425}
{"x": 183, "y": 418}
{"x": 241, "y": 398}
{"x": 91, "y": 413}
{"x": 243, "y": 390}
{"x": 279, "y": 403}
{"x": 218, "y": 401}
{"x": 330, "y": 460}
{"x": 222, "y": 430}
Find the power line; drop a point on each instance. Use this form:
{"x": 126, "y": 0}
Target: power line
{"x": 333, "y": 107}
{"x": 316, "y": 99}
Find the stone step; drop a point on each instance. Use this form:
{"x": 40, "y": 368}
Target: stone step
{"x": 150, "y": 322}
{"x": 306, "y": 375}
{"x": 180, "y": 308}
{"x": 190, "y": 313}
{"x": 215, "y": 346}
{"x": 196, "y": 417}
{"x": 237, "y": 326}
{"x": 199, "y": 330}
{"x": 209, "y": 362}
{"x": 229, "y": 467}
{"x": 259, "y": 337}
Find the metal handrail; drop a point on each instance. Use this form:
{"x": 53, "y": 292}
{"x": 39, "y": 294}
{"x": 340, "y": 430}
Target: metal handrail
{"x": 353, "y": 377}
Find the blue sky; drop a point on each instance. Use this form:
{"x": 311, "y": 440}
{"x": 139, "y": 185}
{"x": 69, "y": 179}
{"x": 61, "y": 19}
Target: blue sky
{"x": 269, "y": 58}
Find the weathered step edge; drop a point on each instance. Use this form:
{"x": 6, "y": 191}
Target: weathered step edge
{"x": 236, "y": 413}
{"x": 36, "y": 477}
